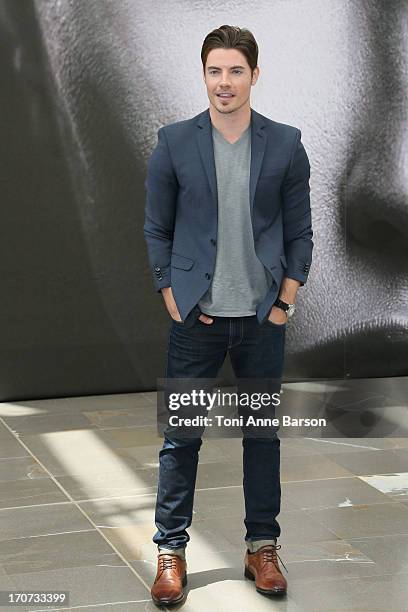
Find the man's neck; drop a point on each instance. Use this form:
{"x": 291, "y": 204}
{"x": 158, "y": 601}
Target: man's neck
{"x": 231, "y": 124}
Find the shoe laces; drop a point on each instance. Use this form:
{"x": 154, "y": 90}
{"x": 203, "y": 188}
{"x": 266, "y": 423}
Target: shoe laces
{"x": 269, "y": 554}
{"x": 167, "y": 562}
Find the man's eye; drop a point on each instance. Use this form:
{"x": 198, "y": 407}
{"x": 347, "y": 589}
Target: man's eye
{"x": 215, "y": 71}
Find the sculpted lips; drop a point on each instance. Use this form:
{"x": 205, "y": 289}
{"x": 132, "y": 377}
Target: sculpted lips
{"x": 376, "y": 347}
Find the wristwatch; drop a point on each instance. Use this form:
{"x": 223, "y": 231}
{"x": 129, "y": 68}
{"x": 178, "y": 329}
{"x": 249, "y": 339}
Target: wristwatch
{"x": 288, "y": 308}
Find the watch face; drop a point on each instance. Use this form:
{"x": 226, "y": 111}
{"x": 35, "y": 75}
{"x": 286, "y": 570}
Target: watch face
{"x": 291, "y": 310}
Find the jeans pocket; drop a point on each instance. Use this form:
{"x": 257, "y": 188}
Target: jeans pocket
{"x": 190, "y": 321}
{"x": 275, "y": 325}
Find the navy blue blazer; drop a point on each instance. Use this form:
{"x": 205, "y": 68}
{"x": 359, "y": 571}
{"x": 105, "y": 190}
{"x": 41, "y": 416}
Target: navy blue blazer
{"x": 182, "y": 209}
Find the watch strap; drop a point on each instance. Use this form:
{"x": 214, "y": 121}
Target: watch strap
{"x": 282, "y": 305}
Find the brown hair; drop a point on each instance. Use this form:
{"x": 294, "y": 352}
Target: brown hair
{"x": 231, "y": 37}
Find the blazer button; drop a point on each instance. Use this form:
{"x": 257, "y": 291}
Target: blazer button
{"x": 213, "y": 241}
{"x": 207, "y": 275}
{"x": 157, "y": 269}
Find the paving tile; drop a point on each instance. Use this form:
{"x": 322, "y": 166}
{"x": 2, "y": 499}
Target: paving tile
{"x": 10, "y": 447}
{"x": 394, "y": 486}
{"x": 384, "y": 593}
{"x": 5, "y": 433}
{"x": 41, "y": 520}
{"x": 327, "y": 446}
{"x": 140, "y": 416}
{"x": 92, "y": 455}
{"x": 389, "y": 552}
{"x": 44, "y": 423}
{"x": 373, "y": 462}
{"x": 311, "y": 467}
{"x": 120, "y": 511}
{"x": 86, "y": 585}
{"x": 331, "y": 493}
{"x": 355, "y": 445}
{"x": 364, "y": 520}
{"x": 124, "y": 437}
{"x": 20, "y": 468}
{"x": 56, "y": 551}
{"x": 109, "y": 484}
{"x": 134, "y": 541}
{"x": 24, "y": 492}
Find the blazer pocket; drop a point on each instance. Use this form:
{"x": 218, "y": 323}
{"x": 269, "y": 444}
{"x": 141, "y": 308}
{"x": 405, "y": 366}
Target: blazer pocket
{"x": 179, "y": 261}
{"x": 283, "y": 261}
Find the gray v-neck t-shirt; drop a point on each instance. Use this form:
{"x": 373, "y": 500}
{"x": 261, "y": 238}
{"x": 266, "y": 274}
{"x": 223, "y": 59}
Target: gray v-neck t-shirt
{"x": 240, "y": 281}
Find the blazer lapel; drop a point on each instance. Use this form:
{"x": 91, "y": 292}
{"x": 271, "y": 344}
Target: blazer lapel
{"x": 205, "y": 145}
{"x": 258, "y": 145}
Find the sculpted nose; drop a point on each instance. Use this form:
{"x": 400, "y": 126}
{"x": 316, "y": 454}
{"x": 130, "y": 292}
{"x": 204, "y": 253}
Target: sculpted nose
{"x": 376, "y": 182}
{"x": 376, "y": 195}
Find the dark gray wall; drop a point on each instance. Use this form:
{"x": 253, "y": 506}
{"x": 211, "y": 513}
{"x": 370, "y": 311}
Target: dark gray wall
{"x": 86, "y": 85}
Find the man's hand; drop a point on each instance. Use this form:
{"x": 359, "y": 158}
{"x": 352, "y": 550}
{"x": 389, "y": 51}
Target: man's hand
{"x": 288, "y": 290}
{"x": 278, "y": 316}
{"x": 206, "y": 319}
{"x": 173, "y": 310}
{"x": 171, "y": 303}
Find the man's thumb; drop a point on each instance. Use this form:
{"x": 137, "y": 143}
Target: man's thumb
{"x": 207, "y": 320}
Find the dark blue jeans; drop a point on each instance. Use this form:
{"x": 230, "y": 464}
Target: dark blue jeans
{"x": 198, "y": 350}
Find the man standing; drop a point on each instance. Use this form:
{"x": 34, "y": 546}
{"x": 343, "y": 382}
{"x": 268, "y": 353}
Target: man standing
{"x": 229, "y": 238}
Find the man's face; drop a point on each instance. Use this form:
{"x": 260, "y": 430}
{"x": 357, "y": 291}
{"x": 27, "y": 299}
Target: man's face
{"x": 228, "y": 72}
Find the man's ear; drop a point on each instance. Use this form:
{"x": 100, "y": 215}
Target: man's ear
{"x": 255, "y": 75}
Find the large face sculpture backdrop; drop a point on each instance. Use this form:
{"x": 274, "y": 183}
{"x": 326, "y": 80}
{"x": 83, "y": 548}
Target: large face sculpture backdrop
{"x": 336, "y": 70}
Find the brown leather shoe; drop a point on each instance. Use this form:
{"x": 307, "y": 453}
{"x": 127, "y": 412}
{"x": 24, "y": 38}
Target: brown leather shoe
{"x": 170, "y": 579}
{"x": 263, "y": 567}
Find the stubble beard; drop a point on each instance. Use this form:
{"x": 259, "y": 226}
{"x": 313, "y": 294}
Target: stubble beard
{"x": 227, "y": 111}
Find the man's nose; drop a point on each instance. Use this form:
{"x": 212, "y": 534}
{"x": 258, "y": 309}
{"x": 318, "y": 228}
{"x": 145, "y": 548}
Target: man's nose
{"x": 225, "y": 80}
